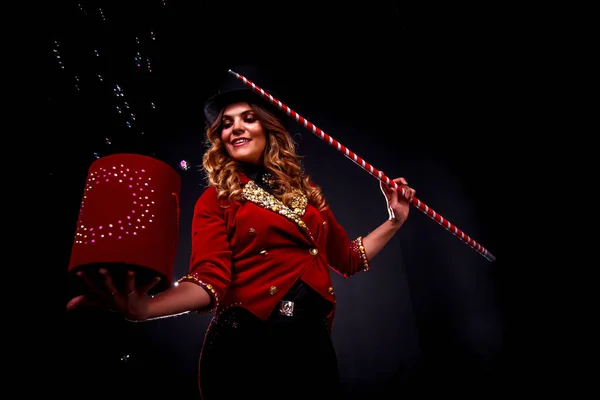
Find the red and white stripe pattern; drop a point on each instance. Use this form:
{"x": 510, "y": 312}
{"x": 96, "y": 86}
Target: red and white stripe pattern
{"x": 369, "y": 168}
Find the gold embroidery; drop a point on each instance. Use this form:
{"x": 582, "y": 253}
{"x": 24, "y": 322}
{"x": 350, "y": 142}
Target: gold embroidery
{"x": 254, "y": 193}
{"x": 357, "y": 246}
{"x": 206, "y": 286}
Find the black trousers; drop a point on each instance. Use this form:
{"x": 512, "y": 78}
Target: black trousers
{"x": 281, "y": 358}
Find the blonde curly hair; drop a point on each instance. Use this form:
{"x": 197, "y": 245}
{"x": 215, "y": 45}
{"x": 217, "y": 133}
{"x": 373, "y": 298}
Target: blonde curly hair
{"x": 280, "y": 159}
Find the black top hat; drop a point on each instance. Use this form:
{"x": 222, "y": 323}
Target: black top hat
{"x": 232, "y": 90}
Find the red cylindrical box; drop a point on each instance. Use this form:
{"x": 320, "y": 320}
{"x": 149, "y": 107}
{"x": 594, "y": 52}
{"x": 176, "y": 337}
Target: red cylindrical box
{"x": 128, "y": 220}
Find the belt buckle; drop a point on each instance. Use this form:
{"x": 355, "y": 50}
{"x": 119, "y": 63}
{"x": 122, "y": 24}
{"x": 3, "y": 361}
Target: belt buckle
{"x": 286, "y": 308}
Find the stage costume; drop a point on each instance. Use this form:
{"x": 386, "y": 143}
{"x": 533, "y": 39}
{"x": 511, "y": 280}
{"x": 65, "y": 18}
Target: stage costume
{"x": 267, "y": 269}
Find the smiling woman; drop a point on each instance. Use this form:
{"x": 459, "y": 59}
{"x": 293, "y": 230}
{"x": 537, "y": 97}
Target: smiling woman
{"x": 264, "y": 243}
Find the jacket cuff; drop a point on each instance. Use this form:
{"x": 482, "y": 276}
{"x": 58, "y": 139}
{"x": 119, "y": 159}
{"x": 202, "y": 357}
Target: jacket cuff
{"x": 209, "y": 289}
{"x": 356, "y": 245}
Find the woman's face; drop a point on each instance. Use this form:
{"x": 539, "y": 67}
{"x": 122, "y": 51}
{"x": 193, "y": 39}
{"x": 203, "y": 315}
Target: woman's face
{"x": 242, "y": 134}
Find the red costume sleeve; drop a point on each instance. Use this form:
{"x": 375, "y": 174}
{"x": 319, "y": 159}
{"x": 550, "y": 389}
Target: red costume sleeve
{"x": 345, "y": 256}
{"x": 210, "y": 261}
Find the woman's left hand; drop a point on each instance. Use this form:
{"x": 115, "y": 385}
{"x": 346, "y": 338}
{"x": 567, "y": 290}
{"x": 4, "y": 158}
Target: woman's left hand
{"x": 398, "y": 206}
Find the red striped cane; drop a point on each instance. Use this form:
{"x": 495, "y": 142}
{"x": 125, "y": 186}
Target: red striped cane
{"x": 369, "y": 168}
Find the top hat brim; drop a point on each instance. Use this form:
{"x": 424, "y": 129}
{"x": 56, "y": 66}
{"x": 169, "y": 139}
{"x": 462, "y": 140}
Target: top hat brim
{"x": 216, "y": 103}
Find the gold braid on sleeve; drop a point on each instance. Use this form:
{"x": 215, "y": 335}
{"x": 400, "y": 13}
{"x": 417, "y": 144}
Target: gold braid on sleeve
{"x": 207, "y": 286}
{"x": 357, "y": 246}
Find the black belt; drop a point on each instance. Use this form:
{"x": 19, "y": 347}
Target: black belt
{"x": 301, "y": 301}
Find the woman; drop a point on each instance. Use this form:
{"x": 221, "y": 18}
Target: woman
{"x": 263, "y": 243}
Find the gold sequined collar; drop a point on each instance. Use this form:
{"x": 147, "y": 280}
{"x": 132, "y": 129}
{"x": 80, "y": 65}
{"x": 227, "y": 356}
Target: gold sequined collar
{"x": 254, "y": 193}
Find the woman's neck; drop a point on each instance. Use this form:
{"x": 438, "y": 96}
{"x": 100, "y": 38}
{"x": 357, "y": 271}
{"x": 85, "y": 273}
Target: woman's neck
{"x": 252, "y": 171}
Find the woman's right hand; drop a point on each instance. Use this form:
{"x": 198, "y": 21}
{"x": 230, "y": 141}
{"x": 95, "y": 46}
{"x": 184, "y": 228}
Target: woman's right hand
{"x": 132, "y": 303}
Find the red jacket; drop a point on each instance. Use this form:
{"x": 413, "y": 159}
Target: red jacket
{"x": 252, "y": 252}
